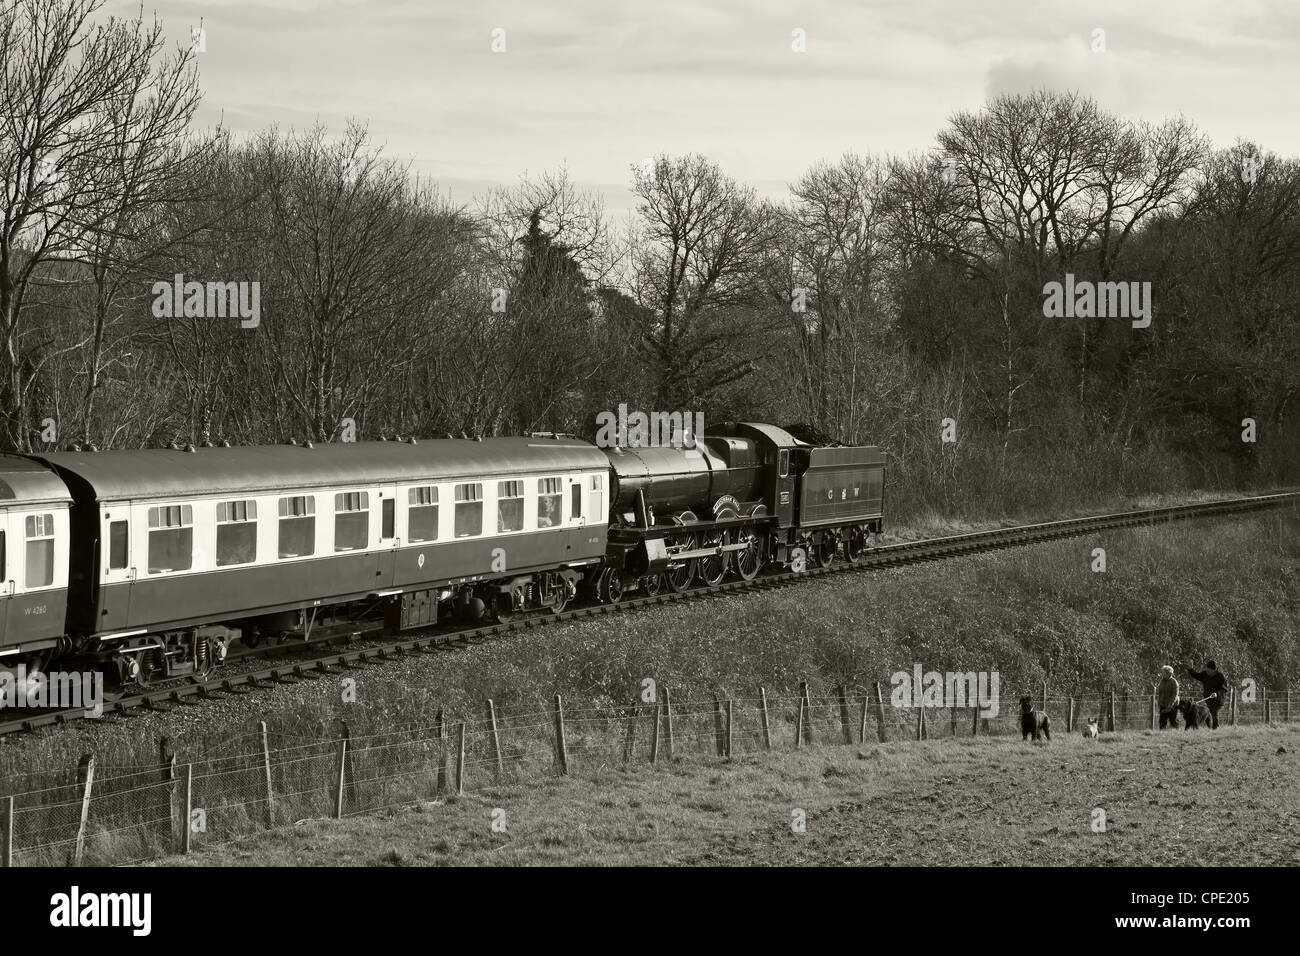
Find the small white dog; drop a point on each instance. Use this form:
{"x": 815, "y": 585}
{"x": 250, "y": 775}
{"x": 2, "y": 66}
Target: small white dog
{"x": 1091, "y": 730}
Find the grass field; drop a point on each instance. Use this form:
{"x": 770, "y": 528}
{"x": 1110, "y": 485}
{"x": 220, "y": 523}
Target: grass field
{"x": 1198, "y": 798}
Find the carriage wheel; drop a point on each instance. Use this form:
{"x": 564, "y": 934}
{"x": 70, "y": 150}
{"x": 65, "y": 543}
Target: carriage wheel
{"x": 713, "y": 568}
{"x": 679, "y": 579}
{"x": 205, "y": 661}
{"x": 503, "y": 608}
{"x": 751, "y": 560}
{"x": 559, "y": 599}
{"x": 652, "y": 584}
{"x": 855, "y": 543}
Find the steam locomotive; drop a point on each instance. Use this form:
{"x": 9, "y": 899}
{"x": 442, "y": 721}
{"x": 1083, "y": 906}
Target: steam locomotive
{"x": 151, "y": 563}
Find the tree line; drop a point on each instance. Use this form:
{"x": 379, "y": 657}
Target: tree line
{"x": 894, "y": 300}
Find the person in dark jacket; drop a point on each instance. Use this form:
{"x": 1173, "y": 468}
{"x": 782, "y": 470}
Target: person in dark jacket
{"x": 1214, "y": 688}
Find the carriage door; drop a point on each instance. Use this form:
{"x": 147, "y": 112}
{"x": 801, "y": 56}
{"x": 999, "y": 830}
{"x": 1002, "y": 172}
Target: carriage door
{"x": 116, "y": 569}
{"x": 6, "y": 574}
{"x": 386, "y": 556}
{"x": 577, "y": 517}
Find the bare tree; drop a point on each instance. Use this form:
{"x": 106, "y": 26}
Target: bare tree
{"x": 92, "y": 117}
{"x": 696, "y": 258}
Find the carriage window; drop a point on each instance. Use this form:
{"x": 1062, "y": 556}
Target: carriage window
{"x": 118, "y": 558}
{"x": 387, "y": 518}
{"x": 297, "y": 526}
{"x": 469, "y": 510}
{"x": 549, "y": 501}
{"x": 575, "y": 500}
{"x": 783, "y": 463}
{"x": 236, "y": 532}
{"x": 171, "y": 538}
{"x": 510, "y": 506}
{"x": 351, "y": 520}
{"x": 422, "y": 513}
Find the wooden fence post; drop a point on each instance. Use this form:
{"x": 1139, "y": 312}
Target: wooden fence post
{"x": 460, "y": 759}
{"x": 846, "y": 725}
{"x": 1069, "y": 716}
{"x": 862, "y": 724}
{"x": 85, "y": 777}
{"x": 920, "y": 721}
{"x": 717, "y": 727}
{"x": 350, "y": 764}
{"x": 341, "y": 779}
{"x": 266, "y": 772}
{"x": 1268, "y": 711}
{"x": 975, "y": 722}
{"x": 629, "y": 737}
{"x": 561, "y": 746}
{"x": 767, "y": 730}
{"x": 1288, "y": 705}
{"x": 1153, "y": 711}
{"x": 798, "y": 727}
{"x": 440, "y": 775}
{"x": 668, "y": 722}
{"x": 1111, "y": 716}
{"x": 167, "y": 773}
{"x": 1232, "y": 704}
{"x": 807, "y": 721}
{"x": 654, "y": 736}
{"x": 189, "y": 808}
{"x": 728, "y": 715}
{"x": 880, "y": 714}
{"x": 496, "y": 739}
{"x": 7, "y": 848}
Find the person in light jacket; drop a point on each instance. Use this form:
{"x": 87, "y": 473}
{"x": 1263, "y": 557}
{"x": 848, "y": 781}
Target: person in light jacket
{"x": 1167, "y": 699}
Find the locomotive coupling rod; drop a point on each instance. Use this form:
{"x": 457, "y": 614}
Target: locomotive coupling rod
{"x": 706, "y": 552}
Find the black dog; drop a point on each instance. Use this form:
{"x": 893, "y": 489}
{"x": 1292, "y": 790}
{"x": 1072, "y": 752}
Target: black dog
{"x": 1033, "y": 721}
{"x": 1194, "y": 714}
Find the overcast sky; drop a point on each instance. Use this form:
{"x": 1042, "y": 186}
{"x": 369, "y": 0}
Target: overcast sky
{"x": 601, "y": 85}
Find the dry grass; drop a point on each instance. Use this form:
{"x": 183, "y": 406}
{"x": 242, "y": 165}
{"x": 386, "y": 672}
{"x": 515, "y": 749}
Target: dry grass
{"x": 1170, "y": 799}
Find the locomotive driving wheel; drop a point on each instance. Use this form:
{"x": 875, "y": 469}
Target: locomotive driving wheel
{"x": 751, "y": 559}
{"x": 679, "y": 578}
{"x": 713, "y": 568}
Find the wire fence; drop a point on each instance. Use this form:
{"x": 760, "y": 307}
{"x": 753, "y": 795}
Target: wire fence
{"x": 120, "y": 815}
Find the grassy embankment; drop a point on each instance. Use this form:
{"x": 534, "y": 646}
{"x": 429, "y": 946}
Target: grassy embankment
{"x": 1170, "y": 799}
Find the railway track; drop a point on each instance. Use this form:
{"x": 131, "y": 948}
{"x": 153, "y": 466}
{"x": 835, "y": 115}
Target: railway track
{"x": 435, "y": 639}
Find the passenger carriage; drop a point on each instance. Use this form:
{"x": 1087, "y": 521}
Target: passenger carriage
{"x": 33, "y": 562}
{"x": 178, "y": 553}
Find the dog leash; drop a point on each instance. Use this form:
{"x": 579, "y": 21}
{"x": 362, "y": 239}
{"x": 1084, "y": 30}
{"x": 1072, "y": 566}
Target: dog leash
{"x": 1204, "y": 699}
